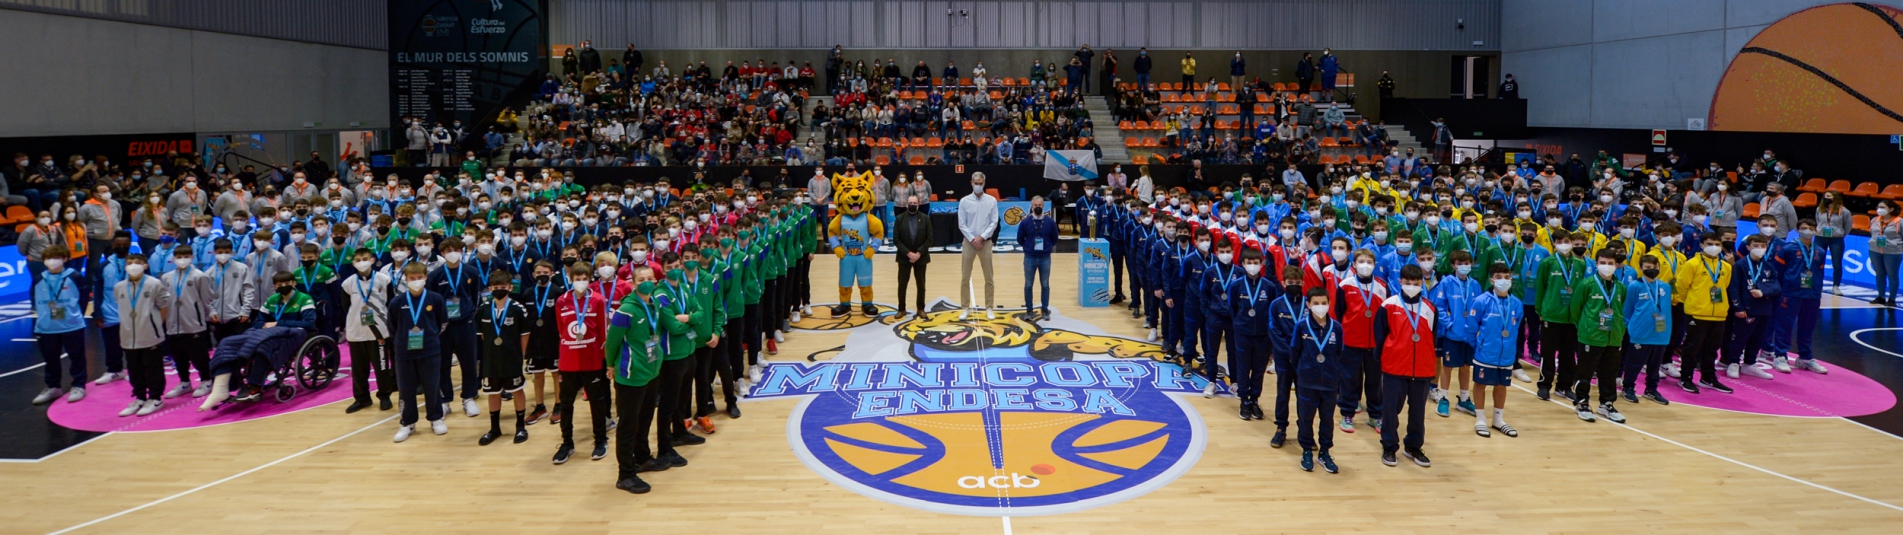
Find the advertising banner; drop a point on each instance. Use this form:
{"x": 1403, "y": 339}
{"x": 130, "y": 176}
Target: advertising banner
{"x": 464, "y": 59}
{"x": 1093, "y": 272}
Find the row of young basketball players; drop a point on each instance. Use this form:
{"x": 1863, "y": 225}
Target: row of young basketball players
{"x": 1357, "y": 328}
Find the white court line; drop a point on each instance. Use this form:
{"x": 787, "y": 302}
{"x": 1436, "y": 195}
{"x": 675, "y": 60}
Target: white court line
{"x": 233, "y": 476}
{"x": 23, "y": 370}
{"x": 1731, "y": 460}
{"x": 1007, "y": 525}
{"x": 1859, "y": 341}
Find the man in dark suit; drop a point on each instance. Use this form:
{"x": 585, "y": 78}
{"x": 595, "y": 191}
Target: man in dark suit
{"x": 912, "y": 233}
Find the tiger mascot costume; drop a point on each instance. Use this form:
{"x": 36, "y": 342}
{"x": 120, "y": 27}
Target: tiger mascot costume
{"x": 854, "y": 234}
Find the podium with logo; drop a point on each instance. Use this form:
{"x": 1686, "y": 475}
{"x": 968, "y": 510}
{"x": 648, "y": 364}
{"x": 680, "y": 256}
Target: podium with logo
{"x": 1093, "y": 272}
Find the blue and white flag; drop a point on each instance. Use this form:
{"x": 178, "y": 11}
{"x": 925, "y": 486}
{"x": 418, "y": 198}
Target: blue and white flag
{"x": 1070, "y": 165}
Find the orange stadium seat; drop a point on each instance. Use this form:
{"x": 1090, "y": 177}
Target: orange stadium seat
{"x": 1751, "y": 210}
{"x": 1891, "y": 192}
{"x": 1815, "y": 185}
{"x": 1805, "y": 200}
{"x": 1865, "y": 190}
{"x": 1840, "y": 186}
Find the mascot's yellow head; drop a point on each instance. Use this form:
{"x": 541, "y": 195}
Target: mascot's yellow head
{"x": 852, "y": 194}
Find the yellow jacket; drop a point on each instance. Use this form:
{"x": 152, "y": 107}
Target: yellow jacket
{"x": 1669, "y": 262}
{"x": 1695, "y": 288}
{"x": 1634, "y": 250}
{"x": 1189, "y": 67}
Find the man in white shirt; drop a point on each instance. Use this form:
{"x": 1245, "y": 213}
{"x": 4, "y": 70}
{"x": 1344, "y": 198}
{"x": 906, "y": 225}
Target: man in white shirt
{"x": 977, "y": 220}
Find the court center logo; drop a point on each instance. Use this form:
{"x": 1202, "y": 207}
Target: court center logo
{"x": 1001, "y": 417}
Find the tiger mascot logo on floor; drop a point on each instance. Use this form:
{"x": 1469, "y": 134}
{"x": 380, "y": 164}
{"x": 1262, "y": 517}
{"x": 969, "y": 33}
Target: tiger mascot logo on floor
{"x": 999, "y": 417}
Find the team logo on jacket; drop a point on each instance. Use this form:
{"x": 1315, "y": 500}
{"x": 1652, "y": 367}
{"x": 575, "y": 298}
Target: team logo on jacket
{"x": 999, "y": 417}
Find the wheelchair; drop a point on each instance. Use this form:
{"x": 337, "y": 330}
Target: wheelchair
{"x": 313, "y": 367}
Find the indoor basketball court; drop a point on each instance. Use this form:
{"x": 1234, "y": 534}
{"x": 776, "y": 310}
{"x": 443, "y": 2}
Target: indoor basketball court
{"x": 884, "y": 416}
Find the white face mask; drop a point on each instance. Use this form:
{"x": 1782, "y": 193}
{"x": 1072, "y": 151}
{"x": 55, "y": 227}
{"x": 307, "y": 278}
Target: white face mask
{"x": 1713, "y": 250}
{"x": 605, "y": 272}
{"x": 1202, "y": 246}
{"x": 1627, "y": 233}
{"x": 660, "y": 244}
{"x": 1768, "y": 231}
{"x": 453, "y": 258}
{"x": 1288, "y": 234}
{"x": 639, "y": 256}
{"x": 1319, "y": 311}
{"x": 1404, "y": 247}
{"x": 1564, "y": 248}
{"x": 363, "y": 265}
{"x": 261, "y": 244}
{"x": 133, "y": 270}
{"x": 1411, "y": 289}
{"x": 297, "y": 237}
{"x": 1364, "y": 269}
{"x": 1252, "y": 269}
{"x": 399, "y": 256}
{"x": 1433, "y": 220}
{"x": 1225, "y": 257}
{"x": 1605, "y": 270}
{"x": 1338, "y": 255}
{"x": 1757, "y": 253}
{"x": 1471, "y": 227}
{"x": 415, "y": 285}
{"x": 1502, "y": 285}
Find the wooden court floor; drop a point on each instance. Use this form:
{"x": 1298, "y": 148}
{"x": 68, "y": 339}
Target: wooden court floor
{"x": 1677, "y": 469}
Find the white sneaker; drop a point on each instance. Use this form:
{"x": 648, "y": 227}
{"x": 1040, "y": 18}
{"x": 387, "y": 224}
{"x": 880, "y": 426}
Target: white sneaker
{"x": 1782, "y": 364}
{"x": 1152, "y": 337}
{"x": 134, "y": 407}
{"x": 1731, "y": 370}
{"x": 807, "y": 310}
{"x": 779, "y": 337}
{"x": 151, "y": 406}
{"x": 1754, "y": 371}
{"x": 271, "y": 378}
{"x": 204, "y": 389}
{"x": 1670, "y": 369}
{"x": 76, "y": 394}
{"x": 109, "y": 377}
{"x": 180, "y": 390}
{"x": 439, "y": 427}
{"x": 1209, "y": 390}
{"x": 403, "y": 433}
{"x": 1521, "y": 376}
{"x": 469, "y": 408}
{"x": 445, "y": 408}
{"x": 966, "y": 315}
{"x": 46, "y": 396}
{"x": 1813, "y": 366}
{"x": 753, "y": 375}
{"x": 795, "y": 318}
{"x": 989, "y": 315}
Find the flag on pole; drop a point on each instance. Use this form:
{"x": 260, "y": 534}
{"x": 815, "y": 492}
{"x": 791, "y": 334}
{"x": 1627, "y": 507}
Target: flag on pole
{"x": 1070, "y": 165}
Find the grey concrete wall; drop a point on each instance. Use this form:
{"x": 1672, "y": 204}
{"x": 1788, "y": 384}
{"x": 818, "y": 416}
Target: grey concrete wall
{"x": 1627, "y": 63}
{"x": 84, "y": 76}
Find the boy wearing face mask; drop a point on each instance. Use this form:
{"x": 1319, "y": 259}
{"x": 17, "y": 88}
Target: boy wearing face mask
{"x": 1556, "y": 278}
{"x": 59, "y": 327}
{"x": 416, "y": 320}
{"x": 538, "y": 294}
{"x": 1598, "y": 309}
{"x": 580, "y": 318}
{"x": 187, "y": 335}
{"x": 1286, "y": 310}
{"x": 1755, "y": 292}
{"x": 677, "y": 296}
{"x": 112, "y": 269}
{"x": 1238, "y": 303}
{"x": 1495, "y": 323}
{"x": 699, "y": 284}
{"x": 235, "y": 284}
{"x": 1523, "y": 258}
{"x": 1453, "y": 300}
{"x": 502, "y": 336}
{"x": 1185, "y": 271}
{"x": 459, "y": 283}
{"x": 1313, "y": 364}
{"x": 257, "y": 349}
{"x": 1357, "y": 302}
{"x": 1702, "y": 287}
{"x": 1649, "y": 311}
{"x": 1404, "y": 328}
{"x": 365, "y": 330}
{"x": 1801, "y": 263}
{"x": 639, "y": 336}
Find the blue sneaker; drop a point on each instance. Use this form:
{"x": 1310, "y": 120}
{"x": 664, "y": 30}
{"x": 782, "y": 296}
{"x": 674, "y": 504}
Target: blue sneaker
{"x": 1328, "y": 463}
{"x": 1466, "y": 406}
{"x": 1440, "y": 407}
{"x": 1308, "y": 461}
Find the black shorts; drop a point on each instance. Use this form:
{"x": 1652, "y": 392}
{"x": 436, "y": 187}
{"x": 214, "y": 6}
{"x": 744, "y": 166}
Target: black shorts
{"x": 498, "y": 385}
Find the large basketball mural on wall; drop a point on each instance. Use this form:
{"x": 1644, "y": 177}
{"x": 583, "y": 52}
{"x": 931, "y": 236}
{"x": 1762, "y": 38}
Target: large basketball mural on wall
{"x": 1828, "y": 69}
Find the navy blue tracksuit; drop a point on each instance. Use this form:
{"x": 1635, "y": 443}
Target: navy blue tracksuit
{"x": 1802, "y": 271}
{"x": 1186, "y": 317}
{"x": 1216, "y": 313}
{"x": 461, "y": 289}
{"x": 1251, "y": 301}
{"x": 1318, "y": 369}
{"x": 1745, "y": 336}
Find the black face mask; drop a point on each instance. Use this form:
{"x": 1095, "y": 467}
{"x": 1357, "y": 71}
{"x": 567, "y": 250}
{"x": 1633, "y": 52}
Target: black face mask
{"x": 498, "y": 293}
{"x": 1527, "y": 238}
{"x": 339, "y": 239}
{"x": 286, "y": 290}
{"x": 913, "y": 209}
{"x": 1651, "y": 273}
{"x": 383, "y": 229}
{"x": 121, "y": 250}
{"x": 541, "y": 279}
{"x": 569, "y": 259}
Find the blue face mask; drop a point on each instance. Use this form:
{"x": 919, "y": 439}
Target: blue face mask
{"x": 1463, "y": 270}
